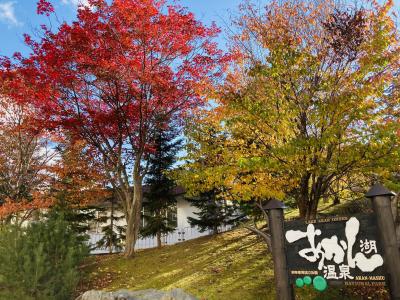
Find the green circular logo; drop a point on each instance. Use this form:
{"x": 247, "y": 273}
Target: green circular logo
{"x": 299, "y": 282}
{"x": 320, "y": 283}
{"x": 307, "y": 280}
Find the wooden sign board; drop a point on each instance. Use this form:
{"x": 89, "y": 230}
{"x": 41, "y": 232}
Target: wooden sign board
{"x": 343, "y": 250}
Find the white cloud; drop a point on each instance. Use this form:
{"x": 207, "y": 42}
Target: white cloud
{"x": 76, "y": 2}
{"x": 7, "y": 13}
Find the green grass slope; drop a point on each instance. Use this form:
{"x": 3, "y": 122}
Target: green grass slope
{"x": 233, "y": 265}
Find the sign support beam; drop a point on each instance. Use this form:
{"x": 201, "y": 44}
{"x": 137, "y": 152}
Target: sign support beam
{"x": 381, "y": 203}
{"x": 284, "y": 290}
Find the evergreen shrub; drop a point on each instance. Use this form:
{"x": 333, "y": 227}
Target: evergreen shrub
{"x": 40, "y": 261}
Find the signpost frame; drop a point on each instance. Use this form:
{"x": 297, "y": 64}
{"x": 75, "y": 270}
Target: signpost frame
{"x": 381, "y": 203}
{"x": 284, "y": 290}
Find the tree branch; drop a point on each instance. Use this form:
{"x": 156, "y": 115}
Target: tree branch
{"x": 266, "y": 237}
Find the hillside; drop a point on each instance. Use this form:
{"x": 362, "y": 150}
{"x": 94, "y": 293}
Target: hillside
{"x": 233, "y": 265}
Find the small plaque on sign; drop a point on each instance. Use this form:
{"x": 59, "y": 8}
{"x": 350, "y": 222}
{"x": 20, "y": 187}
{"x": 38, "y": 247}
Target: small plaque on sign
{"x": 342, "y": 250}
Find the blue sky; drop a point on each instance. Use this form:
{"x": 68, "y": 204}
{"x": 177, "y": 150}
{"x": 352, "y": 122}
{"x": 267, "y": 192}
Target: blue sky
{"x": 19, "y": 16}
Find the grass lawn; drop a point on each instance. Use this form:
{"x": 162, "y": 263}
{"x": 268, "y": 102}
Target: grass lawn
{"x": 231, "y": 265}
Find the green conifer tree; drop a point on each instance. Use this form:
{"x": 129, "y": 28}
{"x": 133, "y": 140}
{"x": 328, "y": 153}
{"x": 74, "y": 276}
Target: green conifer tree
{"x": 40, "y": 261}
{"x": 213, "y": 212}
{"x": 160, "y": 197}
{"x": 113, "y": 233}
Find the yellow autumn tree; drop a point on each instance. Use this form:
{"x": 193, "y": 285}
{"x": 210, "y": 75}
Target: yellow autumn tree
{"x": 310, "y": 103}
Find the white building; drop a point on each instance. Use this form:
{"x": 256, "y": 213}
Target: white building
{"x": 179, "y": 215}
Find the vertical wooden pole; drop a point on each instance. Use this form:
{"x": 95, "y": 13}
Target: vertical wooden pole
{"x": 284, "y": 290}
{"x": 381, "y": 203}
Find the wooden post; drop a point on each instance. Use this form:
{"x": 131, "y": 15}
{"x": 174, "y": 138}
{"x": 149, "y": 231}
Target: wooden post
{"x": 381, "y": 203}
{"x": 284, "y": 291}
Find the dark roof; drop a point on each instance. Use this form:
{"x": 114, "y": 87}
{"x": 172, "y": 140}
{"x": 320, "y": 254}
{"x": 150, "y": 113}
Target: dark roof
{"x": 176, "y": 191}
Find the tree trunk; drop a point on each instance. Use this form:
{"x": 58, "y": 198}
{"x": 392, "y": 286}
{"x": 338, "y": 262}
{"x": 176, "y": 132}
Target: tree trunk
{"x": 133, "y": 218}
{"x": 215, "y": 230}
{"x": 312, "y": 209}
{"x": 308, "y": 197}
{"x": 312, "y": 203}
{"x": 336, "y": 200}
{"x": 158, "y": 239}
{"x": 111, "y": 226}
{"x": 308, "y": 207}
{"x": 130, "y": 236}
{"x": 302, "y": 199}
{"x": 302, "y": 205}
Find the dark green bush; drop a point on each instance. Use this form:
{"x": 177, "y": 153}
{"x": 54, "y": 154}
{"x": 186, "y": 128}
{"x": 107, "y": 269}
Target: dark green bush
{"x": 40, "y": 261}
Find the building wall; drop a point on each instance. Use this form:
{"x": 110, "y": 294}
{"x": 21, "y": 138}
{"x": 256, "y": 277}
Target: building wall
{"x": 183, "y": 231}
{"x": 185, "y": 210}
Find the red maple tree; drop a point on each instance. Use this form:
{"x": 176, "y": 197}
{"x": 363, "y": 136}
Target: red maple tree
{"x": 25, "y": 156}
{"x": 113, "y": 75}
